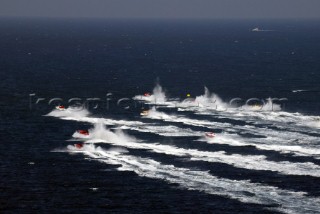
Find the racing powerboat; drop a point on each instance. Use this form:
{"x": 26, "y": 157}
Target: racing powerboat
{"x": 256, "y": 107}
{"x": 144, "y": 113}
{"x": 83, "y": 132}
{"x": 60, "y": 108}
{"x": 78, "y": 145}
{"x": 210, "y": 134}
{"x": 147, "y": 94}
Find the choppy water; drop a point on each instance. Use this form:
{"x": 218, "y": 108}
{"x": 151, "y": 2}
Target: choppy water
{"x": 263, "y": 158}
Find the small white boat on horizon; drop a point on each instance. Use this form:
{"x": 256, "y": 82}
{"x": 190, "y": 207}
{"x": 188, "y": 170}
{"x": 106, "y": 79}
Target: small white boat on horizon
{"x": 259, "y": 30}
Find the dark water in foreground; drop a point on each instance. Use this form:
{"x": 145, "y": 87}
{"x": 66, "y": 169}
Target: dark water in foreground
{"x": 90, "y": 58}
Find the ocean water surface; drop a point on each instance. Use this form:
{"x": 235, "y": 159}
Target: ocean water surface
{"x": 265, "y": 156}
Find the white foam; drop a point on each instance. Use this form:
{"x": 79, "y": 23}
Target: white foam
{"x": 168, "y": 130}
{"x": 272, "y": 136}
{"x": 291, "y": 121}
{"x": 268, "y": 106}
{"x": 254, "y": 162}
{"x": 69, "y": 112}
{"x": 125, "y": 124}
{"x": 207, "y": 100}
{"x": 210, "y": 103}
{"x": 313, "y": 123}
{"x": 235, "y": 140}
{"x": 299, "y": 90}
{"x": 118, "y": 150}
{"x": 154, "y": 114}
{"x": 157, "y": 97}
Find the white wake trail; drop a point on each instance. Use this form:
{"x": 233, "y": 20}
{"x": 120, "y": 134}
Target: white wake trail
{"x": 283, "y": 139}
{"x": 82, "y": 116}
{"x": 287, "y": 201}
{"x": 253, "y": 162}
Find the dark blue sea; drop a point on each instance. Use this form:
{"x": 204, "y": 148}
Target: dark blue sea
{"x": 264, "y": 157}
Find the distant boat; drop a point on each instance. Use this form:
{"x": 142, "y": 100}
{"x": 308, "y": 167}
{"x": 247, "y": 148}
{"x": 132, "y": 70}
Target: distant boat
{"x": 78, "y": 145}
{"x": 144, "y": 113}
{"x": 209, "y": 134}
{"x": 83, "y": 132}
{"x": 259, "y": 30}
